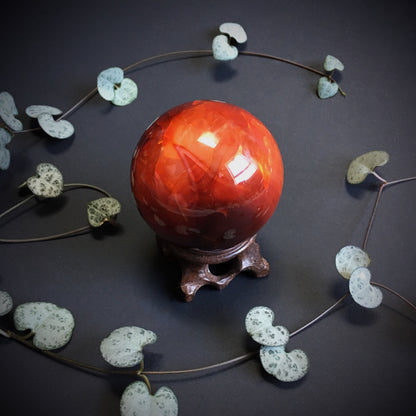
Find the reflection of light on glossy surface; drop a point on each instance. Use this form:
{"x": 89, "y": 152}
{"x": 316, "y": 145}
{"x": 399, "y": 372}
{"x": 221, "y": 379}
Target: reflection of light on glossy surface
{"x": 207, "y": 175}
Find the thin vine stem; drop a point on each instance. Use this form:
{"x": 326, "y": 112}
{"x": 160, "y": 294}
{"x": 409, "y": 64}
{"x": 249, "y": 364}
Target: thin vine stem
{"x": 144, "y": 373}
{"x": 76, "y": 231}
{"x": 192, "y": 53}
{"x": 377, "y": 201}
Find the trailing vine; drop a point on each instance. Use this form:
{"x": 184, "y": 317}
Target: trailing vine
{"x": 44, "y": 327}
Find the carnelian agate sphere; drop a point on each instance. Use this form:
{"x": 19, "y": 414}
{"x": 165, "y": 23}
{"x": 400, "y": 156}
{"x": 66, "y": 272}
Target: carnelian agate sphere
{"x": 206, "y": 175}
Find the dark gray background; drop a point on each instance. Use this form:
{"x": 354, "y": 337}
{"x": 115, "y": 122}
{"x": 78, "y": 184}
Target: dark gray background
{"x": 362, "y": 361}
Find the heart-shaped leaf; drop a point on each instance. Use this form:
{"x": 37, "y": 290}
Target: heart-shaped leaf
{"x": 259, "y": 322}
{"x": 331, "y": 63}
{"x": 125, "y": 93}
{"x": 361, "y": 166}
{"x": 235, "y": 31}
{"x": 6, "y": 303}
{"x": 284, "y": 366}
{"x": 350, "y": 258}
{"x": 326, "y": 88}
{"x": 222, "y": 50}
{"x": 5, "y": 138}
{"x": 112, "y": 86}
{"x": 136, "y": 400}
{"x": 61, "y": 129}
{"x": 123, "y": 347}
{"x": 362, "y": 291}
{"x": 107, "y": 80}
{"x": 48, "y": 183}
{"x": 35, "y": 111}
{"x": 8, "y": 110}
{"x": 103, "y": 210}
{"x": 51, "y": 325}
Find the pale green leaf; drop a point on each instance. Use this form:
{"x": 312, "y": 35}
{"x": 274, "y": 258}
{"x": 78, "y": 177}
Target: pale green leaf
{"x": 222, "y": 50}
{"x": 326, "y": 89}
{"x": 137, "y": 401}
{"x": 48, "y": 183}
{"x": 362, "y": 291}
{"x": 350, "y": 258}
{"x": 8, "y": 111}
{"x": 6, "y": 303}
{"x": 284, "y": 366}
{"x": 51, "y": 325}
{"x": 235, "y": 31}
{"x": 35, "y": 111}
{"x": 361, "y": 166}
{"x": 123, "y": 347}
{"x": 61, "y": 129}
{"x": 102, "y": 210}
{"x": 107, "y": 81}
{"x": 259, "y": 324}
{"x": 331, "y": 63}
{"x": 125, "y": 93}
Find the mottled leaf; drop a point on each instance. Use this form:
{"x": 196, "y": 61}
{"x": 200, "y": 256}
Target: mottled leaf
{"x": 51, "y": 325}
{"x": 35, "y": 111}
{"x": 8, "y": 111}
{"x": 125, "y": 93}
{"x": 61, "y": 129}
{"x": 137, "y": 401}
{"x": 350, "y": 258}
{"x": 361, "y": 166}
{"x": 48, "y": 183}
{"x": 107, "y": 80}
{"x": 6, "y": 303}
{"x": 284, "y": 366}
{"x": 259, "y": 322}
{"x": 331, "y": 63}
{"x": 222, "y": 50}
{"x": 326, "y": 88}
{"x": 235, "y": 31}
{"x": 5, "y": 138}
{"x": 123, "y": 347}
{"x": 362, "y": 291}
{"x": 102, "y": 210}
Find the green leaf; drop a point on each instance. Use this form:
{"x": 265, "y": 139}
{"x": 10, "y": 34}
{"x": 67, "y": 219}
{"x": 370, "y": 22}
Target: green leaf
{"x": 350, "y": 258}
{"x": 35, "y": 111}
{"x": 8, "y": 110}
{"x": 361, "y": 166}
{"x": 222, "y": 50}
{"x": 259, "y": 322}
{"x": 48, "y": 183}
{"x": 326, "y": 89}
{"x": 5, "y": 138}
{"x": 112, "y": 86}
{"x": 284, "y": 366}
{"x": 61, "y": 129}
{"x": 102, "y": 210}
{"x": 6, "y": 303}
{"x": 125, "y": 93}
{"x": 107, "y": 80}
{"x": 51, "y": 325}
{"x": 331, "y": 63}
{"x": 362, "y": 291}
{"x": 137, "y": 400}
{"x": 235, "y": 31}
{"x": 123, "y": 347}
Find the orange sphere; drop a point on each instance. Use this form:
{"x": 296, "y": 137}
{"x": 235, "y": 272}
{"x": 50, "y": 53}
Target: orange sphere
{"x": 206, "y": 175}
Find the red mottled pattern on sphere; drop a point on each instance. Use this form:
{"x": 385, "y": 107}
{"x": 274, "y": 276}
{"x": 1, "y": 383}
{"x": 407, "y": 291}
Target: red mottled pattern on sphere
{"x": 207, "y": 175}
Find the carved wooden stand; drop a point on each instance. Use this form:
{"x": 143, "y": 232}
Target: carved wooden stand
{"x": 196, "y": 270}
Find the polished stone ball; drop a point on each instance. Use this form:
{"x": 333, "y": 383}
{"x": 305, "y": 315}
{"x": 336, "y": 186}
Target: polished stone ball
{"x": 206, "y": 175}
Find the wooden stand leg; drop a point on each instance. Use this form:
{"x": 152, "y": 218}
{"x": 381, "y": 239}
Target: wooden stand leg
{"x": 196, "y": 271}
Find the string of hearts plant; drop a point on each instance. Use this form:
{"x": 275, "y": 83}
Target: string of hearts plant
{"x": 49, "y": 327}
